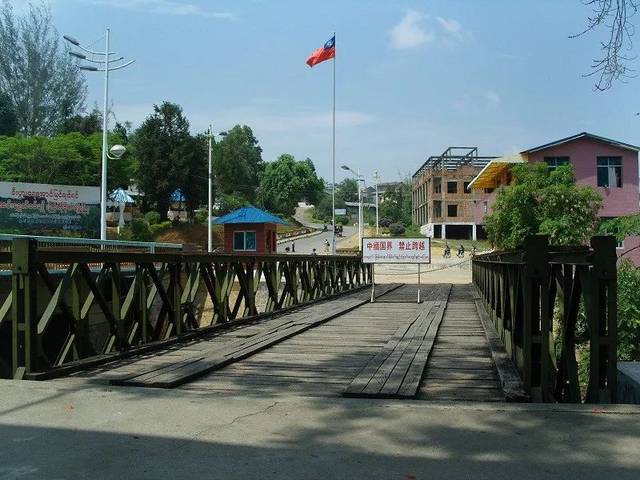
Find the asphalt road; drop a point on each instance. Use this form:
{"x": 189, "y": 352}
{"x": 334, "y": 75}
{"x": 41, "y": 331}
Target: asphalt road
{"x": 306, "y": 245}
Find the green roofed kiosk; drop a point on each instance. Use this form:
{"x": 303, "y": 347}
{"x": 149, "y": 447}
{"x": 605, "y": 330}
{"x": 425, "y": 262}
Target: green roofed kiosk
{"x": 249, "y": 230}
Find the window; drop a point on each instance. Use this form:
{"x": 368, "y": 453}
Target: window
{"x": 437, "y": 208}
{"x": 452, "y": 187}
{"x": 437, "y": 185}
{"x": 609, "y": 172}
{"x": 244, "y": 241}
{"x": 485, "y": 207}
{"x": 452, "y": 210}
{"x": 555, "y": 162}
{"x": 466, "y": 187}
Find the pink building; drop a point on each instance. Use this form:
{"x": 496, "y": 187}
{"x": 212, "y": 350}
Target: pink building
{"x": 609, "y": 166}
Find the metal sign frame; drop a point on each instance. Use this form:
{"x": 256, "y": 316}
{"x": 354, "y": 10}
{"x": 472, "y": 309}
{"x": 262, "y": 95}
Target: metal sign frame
{"x": 373, "y": 264}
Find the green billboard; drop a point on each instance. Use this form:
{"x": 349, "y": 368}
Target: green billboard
{"x": 39, "y": 209}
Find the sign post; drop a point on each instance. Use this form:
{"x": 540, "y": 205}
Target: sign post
{"x": 396, "y": 251}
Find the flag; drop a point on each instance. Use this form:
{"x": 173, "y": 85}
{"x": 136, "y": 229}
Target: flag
{"x": 323, "y": 53}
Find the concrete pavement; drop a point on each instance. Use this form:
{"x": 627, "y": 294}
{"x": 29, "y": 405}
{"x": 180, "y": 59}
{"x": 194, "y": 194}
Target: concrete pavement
{"x": 66, "y": 431}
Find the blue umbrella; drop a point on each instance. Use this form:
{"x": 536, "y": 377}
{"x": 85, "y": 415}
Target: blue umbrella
{"x": 177, "y": 196}
{"x": 120, "y": 196}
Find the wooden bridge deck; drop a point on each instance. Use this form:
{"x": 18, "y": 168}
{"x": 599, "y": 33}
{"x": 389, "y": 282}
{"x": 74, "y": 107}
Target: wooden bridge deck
{"x": 327, "y": 348}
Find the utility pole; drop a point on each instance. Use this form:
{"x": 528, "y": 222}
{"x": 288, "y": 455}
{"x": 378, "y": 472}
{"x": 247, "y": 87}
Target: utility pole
{"x": 376, "y": 177}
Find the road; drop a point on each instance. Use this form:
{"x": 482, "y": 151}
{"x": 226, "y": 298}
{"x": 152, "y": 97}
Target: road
{"x": 306, "y": 245}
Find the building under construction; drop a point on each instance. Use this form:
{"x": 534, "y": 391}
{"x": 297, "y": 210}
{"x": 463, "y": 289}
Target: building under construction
{"x": 443, "y": 205}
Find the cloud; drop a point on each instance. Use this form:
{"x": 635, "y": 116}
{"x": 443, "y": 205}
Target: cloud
{"x": 451, "y": 27}
{"x": 492, "y": 97}
{"x": 164, "y": 7}
{"x": 410, "y": 32}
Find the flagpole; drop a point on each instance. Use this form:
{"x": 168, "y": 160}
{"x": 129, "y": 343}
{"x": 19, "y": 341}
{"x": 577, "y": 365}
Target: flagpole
{"x": 333, "y": 140}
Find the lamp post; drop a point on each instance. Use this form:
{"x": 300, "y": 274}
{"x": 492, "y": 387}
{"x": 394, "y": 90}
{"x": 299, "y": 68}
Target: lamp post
{"x": 376, "y": 177}
{"x": 104, "y": 66}
{"x": 359, "y": 178}
{"x": 210, "y": 137}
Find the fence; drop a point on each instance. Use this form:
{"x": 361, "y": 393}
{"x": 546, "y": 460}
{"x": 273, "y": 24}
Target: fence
{"x": 6, "y": 242}
{"x": 102, "y": 303}
{"x": 536, "y": 298}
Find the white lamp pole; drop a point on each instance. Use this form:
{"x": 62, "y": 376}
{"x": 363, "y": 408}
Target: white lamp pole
{"x": 103, "y": 174}
{"x": 105, "y": 66}
{"x": 376, "y": 178}
{"x": 360, "y": 215}
{"x": 209, "y": 206}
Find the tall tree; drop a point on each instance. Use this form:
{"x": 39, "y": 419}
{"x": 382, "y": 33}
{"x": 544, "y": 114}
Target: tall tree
{"x": 237, "y": 163}
{"x": 43, "y": 82}
{"x": 193, "y": 180}
{"x": 161, "y": 144}
{"x": 615, "y": 17}
{"x": 8, "y": 121}
{"x": 286, "y": 181}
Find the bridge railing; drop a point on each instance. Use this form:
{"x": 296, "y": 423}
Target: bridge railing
{"x": 60, "y": 309}
{"x": 537, "y": 296}
{"x": 6, "y": 242}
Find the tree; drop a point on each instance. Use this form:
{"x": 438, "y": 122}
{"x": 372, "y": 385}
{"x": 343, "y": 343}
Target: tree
{"x": 238, "y": 163}
{"x": 347, "y": 190}
{"x": 43, "y": 82}
{"x": 8, "y": 120}
{"x": 193, "y": 178}
{"x": 397, "y": 203}
{"x": 540, "y": 201}
{"x": 615, "y": 16}
{"x": 71, "y": 159}
{"x": 163, "y": 149}
{"x": 286, "y": 181}
{"x": 84, "y": 124}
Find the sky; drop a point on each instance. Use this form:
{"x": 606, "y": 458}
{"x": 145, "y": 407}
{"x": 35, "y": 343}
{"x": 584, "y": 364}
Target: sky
{"x": 412, "y": 77}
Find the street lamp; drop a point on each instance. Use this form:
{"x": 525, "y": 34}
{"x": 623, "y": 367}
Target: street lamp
{"x": 360, "y": 178}
{"x": 210, "y": 136}
{"x": 106, "y": 67}
{"x": 376, "y": 177}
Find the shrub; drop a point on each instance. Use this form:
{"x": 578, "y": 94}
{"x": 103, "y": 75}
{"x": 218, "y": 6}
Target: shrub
{"x": 385, "y": 222}
{"x": 343, "y": 220}
{"x": 201, "y": 217}
{"x": 152, "y": 217}
{"x": 158, "y": 228}
{"x": 396, "y": 229}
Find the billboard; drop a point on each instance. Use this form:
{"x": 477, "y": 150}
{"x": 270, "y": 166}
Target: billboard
{"x": 40, "y": 209}
{"x": 341, "y": 211}
{"x": 396, "y": 250}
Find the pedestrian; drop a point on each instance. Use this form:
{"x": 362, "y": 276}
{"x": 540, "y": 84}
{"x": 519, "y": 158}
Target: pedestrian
{"x": 293, "y": 247}
{"x": 326, "y": 245}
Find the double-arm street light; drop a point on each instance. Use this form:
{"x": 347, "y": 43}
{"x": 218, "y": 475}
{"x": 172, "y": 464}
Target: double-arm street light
{"x": 108, "y": 64}
{"x": 211, "y": 137}
{"x": 360, "y": 178}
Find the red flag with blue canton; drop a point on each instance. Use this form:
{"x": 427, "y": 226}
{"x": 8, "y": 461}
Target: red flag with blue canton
{"x": 323, "y": 53}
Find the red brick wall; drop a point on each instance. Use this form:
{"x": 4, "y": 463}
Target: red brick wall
{"x": 263, "y": 230}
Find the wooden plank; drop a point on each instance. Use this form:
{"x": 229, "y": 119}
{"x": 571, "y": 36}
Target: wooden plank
{"x": 187, "y": 371}
{"x": 395, "y": 372}
{"x": 411, "y": 383}
{"x": 510, "y": 380}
